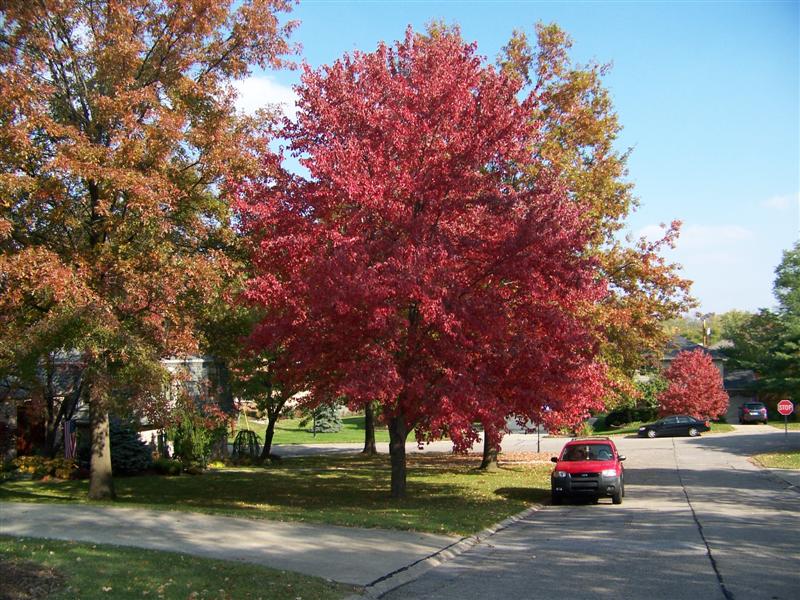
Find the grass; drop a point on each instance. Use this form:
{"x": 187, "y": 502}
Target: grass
{"x": 446, "y": 494}
{"x": 600, "y": 428}
{"x": 91, "y": 571}
{"x": 721, "y": 427}
{"x": 787, "y": 459}
{"x": 289, "y": 431}
{"x": 792, "y": 425}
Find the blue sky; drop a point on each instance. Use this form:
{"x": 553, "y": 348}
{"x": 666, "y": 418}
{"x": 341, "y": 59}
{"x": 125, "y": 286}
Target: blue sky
{"x": 708, "y": 94}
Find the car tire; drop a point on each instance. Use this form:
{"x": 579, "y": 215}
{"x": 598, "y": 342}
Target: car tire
{"x": 651, "y": 433}
{"x": 622, "y": 487}
{"x": 693, "y": 432}
{"x": 556, "y": 498}
{"x": 617, "y": 497}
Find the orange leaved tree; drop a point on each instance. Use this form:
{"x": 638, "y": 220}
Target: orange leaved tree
{"x": 117, "y": 125}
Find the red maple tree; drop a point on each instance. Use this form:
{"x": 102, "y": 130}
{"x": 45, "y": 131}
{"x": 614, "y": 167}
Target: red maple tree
{"x": 408, "y": 268}
{"x": 695, "y": 387}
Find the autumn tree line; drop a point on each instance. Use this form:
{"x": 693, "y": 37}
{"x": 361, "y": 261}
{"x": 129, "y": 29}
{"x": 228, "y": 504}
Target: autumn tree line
{"x": 449, "y": 258}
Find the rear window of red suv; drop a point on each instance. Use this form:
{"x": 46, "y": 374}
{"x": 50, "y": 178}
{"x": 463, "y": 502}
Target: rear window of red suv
{"x": 577, "y": 452}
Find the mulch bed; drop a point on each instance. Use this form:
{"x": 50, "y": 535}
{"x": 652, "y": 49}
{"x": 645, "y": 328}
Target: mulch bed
{"x": 26, "y": 580}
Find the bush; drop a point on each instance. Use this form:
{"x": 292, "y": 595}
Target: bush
{"x": 39, "y": 467}
{"x": 323, "y": 419}
{"x": 194, "y": 431}
{"x": 129, "y": 454}
{"x": 167, "y": 466}
{"x": 623, "y": 416}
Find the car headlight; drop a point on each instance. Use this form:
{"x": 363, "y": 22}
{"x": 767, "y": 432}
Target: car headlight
{"x": 559, "y": 473}
{"x": 609, "y": 472}
{"x": 642, "y": 428}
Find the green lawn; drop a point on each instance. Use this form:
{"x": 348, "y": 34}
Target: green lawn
{"x": 788, "y": 459}
{"x": 288, "y": 431}
{"x": 627, "y": 429}
{"x": 92, "y": 571}
{"x": 792, "y": 425}
{"x": 446, "y": 493}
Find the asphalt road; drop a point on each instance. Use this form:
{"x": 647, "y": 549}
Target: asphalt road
{"x": 698, "y": 521}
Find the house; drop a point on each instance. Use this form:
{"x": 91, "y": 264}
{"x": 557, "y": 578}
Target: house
{"x": 203, "y": 378}
{"x": 680, "y": 344}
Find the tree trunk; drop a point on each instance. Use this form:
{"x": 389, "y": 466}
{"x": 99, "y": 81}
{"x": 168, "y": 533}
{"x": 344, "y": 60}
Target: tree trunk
{"x": 398, "y": 432}
{"x": 101, "y": 482}
{"x": 491, "y": 448}
{"x": 369, "y": 430}
{"x": 266, "y": 451}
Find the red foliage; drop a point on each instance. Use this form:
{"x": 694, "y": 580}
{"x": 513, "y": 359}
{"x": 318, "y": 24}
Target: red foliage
{"x": 695, "y": 387}
{"x": 408, "y": 268}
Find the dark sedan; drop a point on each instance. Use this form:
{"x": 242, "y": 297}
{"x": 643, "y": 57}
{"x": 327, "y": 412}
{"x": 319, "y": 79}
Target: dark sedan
{"x": 675, "y": 425}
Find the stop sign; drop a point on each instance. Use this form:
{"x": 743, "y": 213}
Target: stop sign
{"x": 785, "y": 407}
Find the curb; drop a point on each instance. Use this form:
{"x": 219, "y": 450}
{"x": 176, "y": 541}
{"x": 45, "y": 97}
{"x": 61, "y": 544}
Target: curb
{"x": 409, "y": 573}
{"x": 778, "y": 474}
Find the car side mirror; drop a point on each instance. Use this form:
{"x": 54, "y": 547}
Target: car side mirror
{"x": 621, "y": 457}
{"x": 554, "y": 459}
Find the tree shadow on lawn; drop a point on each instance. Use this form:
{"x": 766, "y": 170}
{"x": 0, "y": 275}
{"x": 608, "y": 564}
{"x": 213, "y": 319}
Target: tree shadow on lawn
{"x": 352, "y": 492}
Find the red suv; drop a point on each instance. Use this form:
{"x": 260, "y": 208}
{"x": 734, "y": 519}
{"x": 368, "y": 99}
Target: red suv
{"x": 588, "y": 467}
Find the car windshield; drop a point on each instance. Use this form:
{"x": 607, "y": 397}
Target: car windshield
{"x": 754, "y": 406}
{"x": 588, "y": 452}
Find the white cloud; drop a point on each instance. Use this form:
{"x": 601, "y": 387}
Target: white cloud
{"x": 784, "y": 202}
{"x": 692, "y": 238}
{"x": 713, "y": 237}
{"x": 725, "y": 262}
{"x": 260, "y": 91}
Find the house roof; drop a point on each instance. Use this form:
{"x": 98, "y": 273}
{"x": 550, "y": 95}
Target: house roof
{"x": 741, "y": 379}
{"x": 680, "y": 344}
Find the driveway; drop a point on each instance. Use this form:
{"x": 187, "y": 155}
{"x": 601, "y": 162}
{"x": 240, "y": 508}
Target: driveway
{"x": 698, "y": 521}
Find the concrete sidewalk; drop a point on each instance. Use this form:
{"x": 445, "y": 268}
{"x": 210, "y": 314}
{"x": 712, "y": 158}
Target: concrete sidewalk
{"x": 344, "y": 554}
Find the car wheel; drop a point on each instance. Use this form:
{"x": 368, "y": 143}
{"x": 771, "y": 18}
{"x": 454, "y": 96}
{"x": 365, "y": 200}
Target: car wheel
{"x": 555, "y": 498}
{"x": 693, "y": 432}
{"x": 622, "y": 487}
{"x": 651, "y": 433}
{"x": 617, "y": 497}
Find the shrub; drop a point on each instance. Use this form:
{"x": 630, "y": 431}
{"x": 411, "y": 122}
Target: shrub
{"x": 194, "y": 431}
{"x": 323, "y": 419}
{"x": 39, "y": 467}
{"x": 167, "y": 466}
{"x": 623, "y": 416}
{"x": 129, "y": 454}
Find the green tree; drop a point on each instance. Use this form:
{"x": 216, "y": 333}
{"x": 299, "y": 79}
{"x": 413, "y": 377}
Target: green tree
{"x": 768, "y": 342}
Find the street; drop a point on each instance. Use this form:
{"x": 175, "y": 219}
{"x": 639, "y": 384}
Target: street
{"x": 698, "y": 521}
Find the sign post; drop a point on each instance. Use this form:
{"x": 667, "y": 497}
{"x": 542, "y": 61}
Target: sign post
{"x": 785, "y": 407}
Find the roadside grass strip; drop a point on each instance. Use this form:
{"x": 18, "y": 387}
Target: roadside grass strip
{"x": 791, "y": 425}
{"x": 787, "y": 459}
{"x": 447, "y": 494}
{"x": 60, "y": 570}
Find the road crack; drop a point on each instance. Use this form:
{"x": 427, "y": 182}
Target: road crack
{"x": 723, "y": 588}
